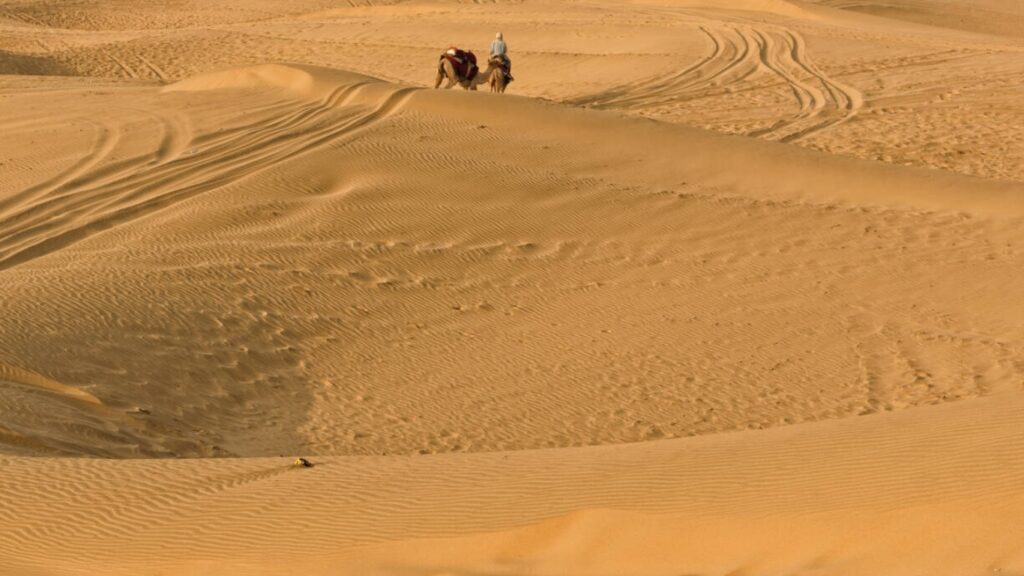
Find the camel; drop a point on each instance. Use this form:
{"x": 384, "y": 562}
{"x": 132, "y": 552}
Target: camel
{"x": 446, "y": 70}
{"x": 498, "y": 81}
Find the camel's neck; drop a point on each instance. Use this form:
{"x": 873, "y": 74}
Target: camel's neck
{"x": 483, "y": 75}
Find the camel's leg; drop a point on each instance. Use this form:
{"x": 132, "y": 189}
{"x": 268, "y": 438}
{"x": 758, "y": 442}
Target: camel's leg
{"x": 445, "y": 70}
{"x": 453, "y": 76}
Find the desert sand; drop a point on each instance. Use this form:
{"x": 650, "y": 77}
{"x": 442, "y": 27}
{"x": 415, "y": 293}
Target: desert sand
{"x": 714, "y": 288}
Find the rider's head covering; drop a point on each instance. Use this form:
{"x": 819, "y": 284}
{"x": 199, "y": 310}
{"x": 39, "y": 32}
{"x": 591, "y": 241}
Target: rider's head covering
{"x": 498, "y": 36}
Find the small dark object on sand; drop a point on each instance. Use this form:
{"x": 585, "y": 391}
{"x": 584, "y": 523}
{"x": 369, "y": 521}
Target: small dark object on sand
{"x": 302, "y": 463}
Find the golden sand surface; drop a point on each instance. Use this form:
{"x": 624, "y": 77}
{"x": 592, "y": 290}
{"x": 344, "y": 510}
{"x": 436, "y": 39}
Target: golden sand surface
{"x": 713, "y": 288}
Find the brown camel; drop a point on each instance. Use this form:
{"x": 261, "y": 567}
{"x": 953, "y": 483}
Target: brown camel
{"x": 446, "y": 70}
{"x": 498, "y": 80}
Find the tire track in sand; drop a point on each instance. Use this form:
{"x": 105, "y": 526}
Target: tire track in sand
{"x": 93, "y": 170}
{"x": 741, "y": 57}
{"x": 104, "y": 142}
{"x": 102, "y": 199}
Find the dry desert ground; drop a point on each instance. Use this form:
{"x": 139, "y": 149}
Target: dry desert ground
{"x": 717, "y": 287}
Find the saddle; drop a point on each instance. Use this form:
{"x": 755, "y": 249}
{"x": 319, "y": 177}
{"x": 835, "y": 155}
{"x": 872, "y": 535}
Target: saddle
{"x": 463, "y": 61}
{"x": 502, "y": 63}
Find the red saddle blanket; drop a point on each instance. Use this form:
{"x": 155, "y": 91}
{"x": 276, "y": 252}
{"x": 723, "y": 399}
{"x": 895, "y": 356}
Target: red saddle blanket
{"x": 463, "y": 62}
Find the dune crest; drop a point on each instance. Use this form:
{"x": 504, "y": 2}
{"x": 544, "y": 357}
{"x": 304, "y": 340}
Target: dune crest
{"x": 15, "y": 375}
{"x": 296, "y": 80}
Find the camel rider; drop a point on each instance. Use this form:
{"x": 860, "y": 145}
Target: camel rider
{"x": 499, "y": 51}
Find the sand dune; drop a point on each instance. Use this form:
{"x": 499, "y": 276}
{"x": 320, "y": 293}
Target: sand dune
{"x": 781, "y": 239}
{"x": 386, "y": 290}
{"x": 931, "y": 491}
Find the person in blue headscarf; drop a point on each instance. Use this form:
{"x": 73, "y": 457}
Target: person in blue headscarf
{"x": 499, "y": 51}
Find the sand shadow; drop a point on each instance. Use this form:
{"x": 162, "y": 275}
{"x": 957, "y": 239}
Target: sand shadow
{"x": 28, "y": 65}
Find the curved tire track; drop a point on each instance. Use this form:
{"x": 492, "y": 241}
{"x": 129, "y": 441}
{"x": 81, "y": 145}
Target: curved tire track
{"x": 738, "y": 55}
{"x": 101, "y": 199}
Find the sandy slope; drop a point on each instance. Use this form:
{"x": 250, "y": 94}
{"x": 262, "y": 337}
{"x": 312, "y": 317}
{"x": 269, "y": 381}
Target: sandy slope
{"x": 931, "y": 491}
{"x": 995, "y": 17}
{"x": 358, "y": 284}
{"x": 206, "y": 254}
